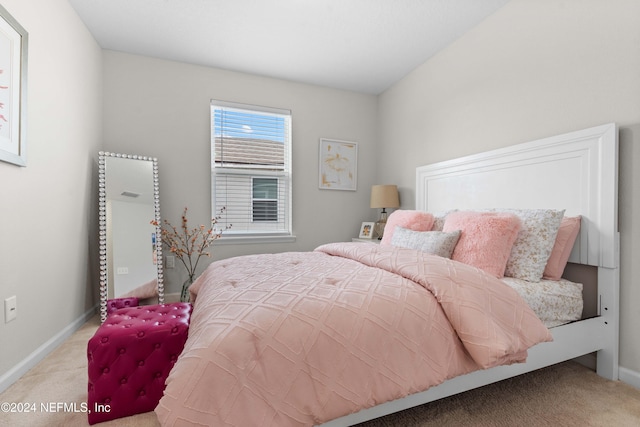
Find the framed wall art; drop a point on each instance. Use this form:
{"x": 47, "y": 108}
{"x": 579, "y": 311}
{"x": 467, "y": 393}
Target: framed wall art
{"x": 338, "y": 169}
{"x": 13, "y": 90}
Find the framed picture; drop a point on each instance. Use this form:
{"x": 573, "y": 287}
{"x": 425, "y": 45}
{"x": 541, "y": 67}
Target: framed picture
{"x": 366, "y": 230}
{"x": 338, "y": 168}
{"x": 13, "y": 90}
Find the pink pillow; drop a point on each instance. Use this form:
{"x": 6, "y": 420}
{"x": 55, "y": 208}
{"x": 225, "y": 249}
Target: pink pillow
{"x": 411, "y": 220}
{"x": 486, "y": 238}
{"x": 567, "y": 234}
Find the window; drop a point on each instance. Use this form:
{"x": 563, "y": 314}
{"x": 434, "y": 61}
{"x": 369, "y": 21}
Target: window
{"x": 251, "y": 169}
{"x": 265, "y": 199}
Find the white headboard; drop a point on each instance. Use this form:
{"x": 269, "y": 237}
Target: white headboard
{"x": 577, "y": 171}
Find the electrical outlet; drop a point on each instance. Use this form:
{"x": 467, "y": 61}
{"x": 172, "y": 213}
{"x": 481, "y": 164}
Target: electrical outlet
{"x": 10, "y": 309}
{"x": 122, "y": 270}
{"x": 171, "y": 261}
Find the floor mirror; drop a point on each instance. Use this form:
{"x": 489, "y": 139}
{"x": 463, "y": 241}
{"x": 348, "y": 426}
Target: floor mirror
{"x": 130, "y": 243}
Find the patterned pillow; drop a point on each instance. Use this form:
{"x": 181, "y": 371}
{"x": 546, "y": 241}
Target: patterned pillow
{"x": 438, "y": 219}
{"x": 486, "y": 238}
{"x": 413, "y": 220}
{"x": 433, "y": 242}
{"x": 534, "y": 243}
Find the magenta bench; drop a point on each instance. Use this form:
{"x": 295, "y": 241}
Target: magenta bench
{"x": 118, "y": 303}
{"x": 130, "y": 356}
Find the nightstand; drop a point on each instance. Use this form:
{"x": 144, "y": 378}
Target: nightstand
{"x": 374, "y": 241}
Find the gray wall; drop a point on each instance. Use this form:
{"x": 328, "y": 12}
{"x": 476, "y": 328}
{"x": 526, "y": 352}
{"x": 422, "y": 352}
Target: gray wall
{"x": 48, "y": 207}
{"x": 161, "y": 108}
{"x": 533, "y": 69}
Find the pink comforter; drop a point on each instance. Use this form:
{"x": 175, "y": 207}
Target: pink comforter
{"x": 298, "y": 339}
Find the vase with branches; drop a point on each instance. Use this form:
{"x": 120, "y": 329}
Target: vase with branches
{"x": 190, "y": 244}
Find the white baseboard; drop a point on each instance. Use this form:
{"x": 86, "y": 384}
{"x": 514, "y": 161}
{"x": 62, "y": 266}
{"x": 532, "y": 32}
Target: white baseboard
{"x": 41, "y": 352}
{"x": 625, "y": 375}
{"x": 630, "y": 377}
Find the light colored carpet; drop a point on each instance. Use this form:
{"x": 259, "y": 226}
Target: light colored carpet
{"x": 562, "y": 395}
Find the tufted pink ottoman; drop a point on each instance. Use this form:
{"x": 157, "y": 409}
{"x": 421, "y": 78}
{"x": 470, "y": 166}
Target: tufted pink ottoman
{"x": 118, "y": 303}
{"x": 130, "y": 356}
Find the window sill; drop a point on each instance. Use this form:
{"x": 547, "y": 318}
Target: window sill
{"x": 241, "y": 240}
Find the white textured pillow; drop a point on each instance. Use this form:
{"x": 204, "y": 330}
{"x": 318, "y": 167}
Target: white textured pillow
{"x": 433, "y": 242}
{"x": 534, "y": 243}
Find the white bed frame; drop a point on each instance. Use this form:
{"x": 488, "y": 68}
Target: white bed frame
{"x": 578, "y": 172}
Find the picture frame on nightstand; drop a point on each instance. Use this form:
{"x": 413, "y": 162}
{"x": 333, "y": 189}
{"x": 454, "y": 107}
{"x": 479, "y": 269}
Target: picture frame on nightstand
{"x": 366, "y": 230}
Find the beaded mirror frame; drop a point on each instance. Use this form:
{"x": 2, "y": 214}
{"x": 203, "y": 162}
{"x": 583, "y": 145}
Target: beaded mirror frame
{"x": 102, "y": 213}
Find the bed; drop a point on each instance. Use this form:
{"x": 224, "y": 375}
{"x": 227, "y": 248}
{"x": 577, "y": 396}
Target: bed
{"x": 408, "y": 295}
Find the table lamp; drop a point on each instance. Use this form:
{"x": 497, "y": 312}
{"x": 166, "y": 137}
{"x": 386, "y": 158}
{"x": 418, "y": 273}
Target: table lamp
{"x": 383, "y": 196}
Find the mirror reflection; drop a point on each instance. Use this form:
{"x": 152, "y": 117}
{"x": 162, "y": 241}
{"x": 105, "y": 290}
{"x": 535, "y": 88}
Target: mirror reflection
{"x": 130, "y": 248}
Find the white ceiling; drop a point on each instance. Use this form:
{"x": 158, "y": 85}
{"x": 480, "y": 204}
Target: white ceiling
{"x": 360, "y": 45}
